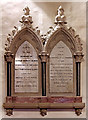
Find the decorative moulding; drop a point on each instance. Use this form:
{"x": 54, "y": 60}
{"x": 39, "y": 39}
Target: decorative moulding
{"x": 60, "y": 21}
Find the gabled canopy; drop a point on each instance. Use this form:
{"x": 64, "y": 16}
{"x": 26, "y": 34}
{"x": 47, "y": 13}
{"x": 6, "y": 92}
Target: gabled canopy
{"x": 47, "y": 41}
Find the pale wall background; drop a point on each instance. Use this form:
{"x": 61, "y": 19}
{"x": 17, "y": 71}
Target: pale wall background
{"x": 43, "y": 14}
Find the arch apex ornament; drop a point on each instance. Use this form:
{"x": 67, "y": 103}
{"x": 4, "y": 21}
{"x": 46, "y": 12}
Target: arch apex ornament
{"x": 60, "y": 21}
{"x": 60, "y": 17}
{"x": 26, "y": 11}
{"x": 26, "y": 24}
{"x": 61, "y": 29}
{"x": 26, "y": 19}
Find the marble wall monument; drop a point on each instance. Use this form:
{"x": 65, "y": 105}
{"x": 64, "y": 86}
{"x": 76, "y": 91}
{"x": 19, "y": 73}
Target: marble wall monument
{"x": 43, "y": 71}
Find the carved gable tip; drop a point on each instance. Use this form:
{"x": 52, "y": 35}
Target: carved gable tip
{"x": 26, "y": 10}
{"x": 60, "y": 17}
{"x": 60, "y": 8}
{"x": 26, "y": 19}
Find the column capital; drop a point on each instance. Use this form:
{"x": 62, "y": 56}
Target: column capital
{"x": 78, "y": 57}
{"x": 8, "y": 56}
{"x": 43, "y": 55}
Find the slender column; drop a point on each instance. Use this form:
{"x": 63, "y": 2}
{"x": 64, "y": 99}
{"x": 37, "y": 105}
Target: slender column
{"x": 8, "y": 58}
{"x": 8, "y": 78}
{"x": 43, "y": 78}
{"x": 79, "y": 58}
{"x": 43, "y": 57}
{"x": 78, "y": 79}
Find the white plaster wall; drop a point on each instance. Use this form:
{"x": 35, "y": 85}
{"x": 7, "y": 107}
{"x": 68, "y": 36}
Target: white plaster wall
{"x": 43, "y": 14}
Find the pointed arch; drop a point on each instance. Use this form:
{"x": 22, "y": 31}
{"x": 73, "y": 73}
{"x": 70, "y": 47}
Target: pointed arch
{"x": 33, "y": 41}
{"x": 26, "y": 34}
{"x": 60, "y": 34}
{"x": 61, "y": 37}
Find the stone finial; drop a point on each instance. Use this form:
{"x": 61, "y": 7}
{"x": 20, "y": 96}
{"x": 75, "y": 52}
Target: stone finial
{"x": 26, "y": 11}
{"x": 26, "y": 21}
{"x": 60, "y": 17}
{"x": 78, "y": 44}
{"x": 26, "y": 18}
{"x": 78, "y": 53}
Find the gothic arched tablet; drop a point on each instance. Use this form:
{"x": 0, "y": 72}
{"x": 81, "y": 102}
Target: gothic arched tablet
{"x": 26, "y": 69}
{"x": 61, "y": 69}
{"x": 25, "y": 45}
